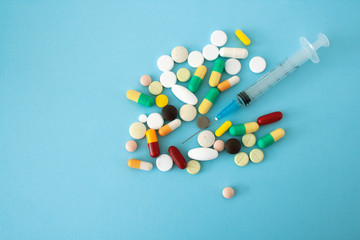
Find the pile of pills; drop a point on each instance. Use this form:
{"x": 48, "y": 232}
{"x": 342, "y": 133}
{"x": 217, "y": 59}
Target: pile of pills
{"x": 169, "y": 118}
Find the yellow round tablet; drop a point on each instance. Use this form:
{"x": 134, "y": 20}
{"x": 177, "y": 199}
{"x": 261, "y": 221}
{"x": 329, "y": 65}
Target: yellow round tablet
{"x": 183, "y": 74}
{"x": 193, "y": 167}
{"x": 256, "y": 155}
{"x": 249, "y": 140}
{"x": 241, "y": 159}
{"x": 161, "y": 100}
{"x": 155, "y": 88}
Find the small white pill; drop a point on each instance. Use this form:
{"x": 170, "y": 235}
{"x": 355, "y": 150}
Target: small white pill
{"x": 257, "y": 64}
{"x": 206, "y": 138}
{"x": 240, "y": 53}
{"x": 142, "y": 118}
{"x": 179, "y": 54}
{"x": 195, "y": 59}
{"x": 210, "y": 52}
{"x": 155, "y": 121}
{"x": 218, "y": 38}
{"x": 203, "y": 154}
{"x": 184, "y": 94}
{"x": 164, "y": 162}
{"x": 168, "y": 79}
{"x": 165, "y": 63}
{"x": 232, "y": 66}
{"x": 188, "y": 113}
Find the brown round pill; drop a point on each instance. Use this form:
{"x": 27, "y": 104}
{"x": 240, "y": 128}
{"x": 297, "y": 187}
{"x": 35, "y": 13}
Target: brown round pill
{"x": 202, "y": 122}
{"x": 169, "y": 112}
{"x": 232, "y": 146}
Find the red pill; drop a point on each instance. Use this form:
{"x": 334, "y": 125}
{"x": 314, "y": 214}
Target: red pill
{"x": 177, "y": 157}
{"x": 269, "y": 118}
{"x": 152, "y": 142}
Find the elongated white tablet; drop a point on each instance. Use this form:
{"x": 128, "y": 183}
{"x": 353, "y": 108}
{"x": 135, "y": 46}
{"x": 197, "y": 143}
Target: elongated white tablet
{"x": 164, "y": 162}
{"x": 232, "y": 66}
{"x": 257, "y": 64}
{"x": 210, "y": 52}
{"x": 203, "y": 154}
{"x": 195, "y": 59}
{"x": 184, "y": 94}
{"x": 165, "y": 63}
{"x": 218, "y": 38}
{"x": 168, "y": 79}
{"x": 240, "y": 53}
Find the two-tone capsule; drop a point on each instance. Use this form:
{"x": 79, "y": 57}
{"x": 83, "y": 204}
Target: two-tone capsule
{"x": 218, "y": 69}
{"x": 270, "y": 138}
{"x": 242, "y": 129}
{"x": 140, "y": 98}
{"x": 269, "y": 118}
{"x": 209, "y": 100}
{"x": 152, "y": 142}
{"x": 197, "y": 78}
{"x": 177, "y": 157}
{"x": 223, "y": 128}
{"x": 138, "y": 164}
{"x": 225, "y": 85}
{"x": 168, "y": 128}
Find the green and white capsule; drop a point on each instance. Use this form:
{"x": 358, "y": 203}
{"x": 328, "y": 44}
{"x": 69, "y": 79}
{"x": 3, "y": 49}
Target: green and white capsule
{"x": 270, "y": 138}
{"x": 209, "y": 100}
{"x": 218, "y": 69}
{"x": 242, "y": 129}
{"x": 197, "y": 78}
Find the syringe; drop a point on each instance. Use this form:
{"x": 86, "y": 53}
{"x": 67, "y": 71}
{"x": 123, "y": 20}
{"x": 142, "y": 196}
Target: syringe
{"x": 244, "y": 98}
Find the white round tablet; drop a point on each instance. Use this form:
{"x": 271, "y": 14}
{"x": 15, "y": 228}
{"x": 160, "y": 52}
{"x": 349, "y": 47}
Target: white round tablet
{"x": 137, "y": 130}
{"x": 210, "y": 52}
{"x": 206, "y": 138}
{"x": 195, "y": 59}
{"x": 143, "y": 118}
{"x": 218, "y": 38}
{"x": 164, "y": 162}
{"x": 257, "y": 64}
{"x": 165, "y": 63}
{"x": 155, "y": 121}
{"x": 188, "y": 113}
{"x": 168, "y": 79}
{"x": 179, "y": 54}
{"x": 232, "y": 66}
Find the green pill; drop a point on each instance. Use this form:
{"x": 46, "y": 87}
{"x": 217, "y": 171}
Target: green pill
{"x": 242, "y": 129}
{"x": 197, "y": 78}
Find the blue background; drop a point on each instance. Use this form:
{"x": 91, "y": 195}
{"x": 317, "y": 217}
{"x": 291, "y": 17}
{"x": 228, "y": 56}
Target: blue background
{"x": 65, "y": 68}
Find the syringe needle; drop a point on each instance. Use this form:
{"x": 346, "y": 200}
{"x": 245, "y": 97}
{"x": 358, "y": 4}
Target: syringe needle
{"x": 197, "y": 132}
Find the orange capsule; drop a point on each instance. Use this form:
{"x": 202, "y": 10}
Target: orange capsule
{"x": 168, "y": 128}
{"x": 152, "y": 142}
{"x": 225, "y": 85}
{"x": 138, "y": 164}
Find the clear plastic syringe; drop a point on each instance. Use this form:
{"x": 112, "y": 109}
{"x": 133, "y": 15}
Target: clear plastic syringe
{"x": 244, "y": 98}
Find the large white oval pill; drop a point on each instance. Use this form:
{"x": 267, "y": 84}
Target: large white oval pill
{"x": 203, "y": 154}
{"x": 232, "y": 66}
{"x": 165, "y": 63}
{"x": 195, "y": 59}
{"x": 257, "y": 64}
{"x": 240, "y": 53}
{"x": 155, "y": 121}
{"x": 168, "y": 79}
{"x": 218, "y": 38}
{"x": 164, "y": 162}
{"x": 184, "y": 94}
{"x": 210, "y": 52}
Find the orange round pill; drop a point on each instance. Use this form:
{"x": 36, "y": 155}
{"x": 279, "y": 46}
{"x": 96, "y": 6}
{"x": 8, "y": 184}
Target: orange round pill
{"x": 228, "y": 192}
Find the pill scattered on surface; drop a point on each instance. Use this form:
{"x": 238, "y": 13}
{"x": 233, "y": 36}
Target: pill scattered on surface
{"x": 216, "y": 72}
{"x": 179, "y": 54}
{"x": 203, "y": 154}
{"x": 225, "y": 85}
{"x": 240, "y": 53}
{"x": 137, "y": 130}
{"x": 202, "y": 122}
{"x": 270, "y": 138}
{"x": 219, "y": 145}
{"x": 155, "y": 88}
{"x": 193, "y": 167}
{"x": 169, "y": 112}
{"x": 138, "y": 164}
{"x": 155, "y": 121}
{"x": 270, "y": 118}
{"x": 165, "y": 63}
{"x": 177, "y": 157}
{"x": 188, "y": 113}
{"x": 242, "y": 37}
{"x": 145, "y": 80}
{"x": 210, "y": 52}
{"x": 223, "y": 128}
{"x": 232, "y": 146}
{"x": 195, "y": 59}
{"x": 142, "y": 118}
{"x": 218, "y": 38}
{"x": 168, "y": 128}
{"x": 209, "y": 100}
{"x": 131, "y": 146}
{"x": 256, "y": 155}
{"x": 257, "y": 64}
{"x": 242, "y": 129}
{"x": 164, "y": 162}
{"x": 197, "y": 78}
{"x": 152, "y": 143}
{"x": 161, "y": 100}
{"x": 232, "y": 66}
{"x": 228, "y": 192}
{"x": 184, "y": 94}
{"x": 183, "y": 74}
{"x": 168, "y": 79}
{"x": 140, "y": 98}
{"x": 206, "y": 139}
{"x": 241, "y": 159}
{"x": 248, "y": 140}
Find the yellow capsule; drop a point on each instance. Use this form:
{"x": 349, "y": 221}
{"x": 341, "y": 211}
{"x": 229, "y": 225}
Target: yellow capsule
{"x": 242, "y": 37}
{"x": 200, "y": 71}
{"x": 133, "y": 95}
{"x": 278, "y": 134}
{"x": 205, "y": 106}
{"x": 223, "y": 128}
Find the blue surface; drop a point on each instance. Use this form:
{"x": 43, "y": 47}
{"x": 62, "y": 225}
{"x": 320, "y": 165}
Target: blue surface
{"x": 64, "y": 71}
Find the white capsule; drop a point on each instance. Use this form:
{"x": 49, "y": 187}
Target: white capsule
{"x": 203, "y": 154}
{"x": 184, "y": 94}
{"x": 233, "y": 80}
{"x": 240, "y": 53}
{"x": 147, "y": 166}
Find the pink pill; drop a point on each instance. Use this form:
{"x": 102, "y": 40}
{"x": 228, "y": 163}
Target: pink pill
{"x": 131, "y": 146}
{"x": 219, "y": 145}
{"x": 145, "y": 80}
{"x": 228, "y": 192}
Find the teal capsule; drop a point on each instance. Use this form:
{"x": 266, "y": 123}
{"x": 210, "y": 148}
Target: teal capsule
{"x": 218, "y": 69}
{"x": 197, "y": 78}
{"x": 209, "y": 100}
{"x": 242, "y": 129}
{"x": 270, "y": 138}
